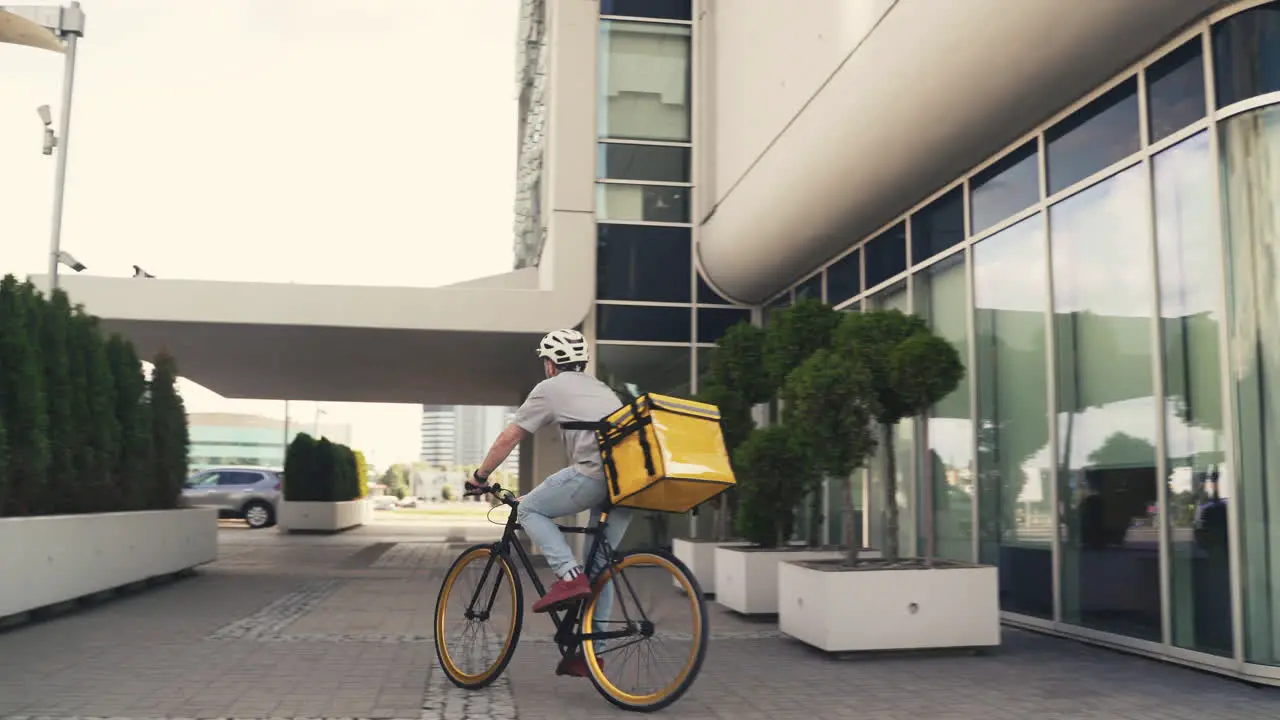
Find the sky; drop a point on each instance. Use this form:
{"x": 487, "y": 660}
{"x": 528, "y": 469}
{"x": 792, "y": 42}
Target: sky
{"x": 354, "y": 142}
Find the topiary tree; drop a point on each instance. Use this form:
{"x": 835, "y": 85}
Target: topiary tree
{"x": 909, "y": 369}
{"x": 170, "y": 438}
{"x": 301, "y": 465}
{"x": 362, "y": 474}
{"x": 22, "y": 402}
{"x": 55, "y": 352}
{"x": 771, "y": 471}
{"x": 132, "y": 463}
{"x": 828, "y": 407}
{"x": 101, "y": 432}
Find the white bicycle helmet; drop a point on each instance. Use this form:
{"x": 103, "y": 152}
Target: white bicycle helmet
{"x": 564, "y": 347}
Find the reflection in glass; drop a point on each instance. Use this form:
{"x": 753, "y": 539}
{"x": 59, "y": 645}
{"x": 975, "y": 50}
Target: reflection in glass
{"x": 707, "y": 295}
{"x": 713, "y": 323}
{"x": 1015, "y": 514}
{"x": 1190, "y": 275}
{"x": 642, "y": 262}
{"x": 844, "y": 278}
{"x": 895, "y": 297}
{"x": 660, "y": 9}
{"x": 810, "y": 288}
{"x": 1101, "y": 133}
{"x": 1005, "y": 188}
{"x": 645, "y": 323}
{"x": 644, "y": 78}
{"x": 886, "y": 254}
{"x": 642, "y": 203}
{"x": 941, "y": 300}
{"x": 1175, "y": 90}
{"x": 1246, "y": 55}
{"x": 1102, "y": 297}
{"x": 937, "y": 226}
{"x": 627, "y": 161}
{"x": 1250, "y": 151}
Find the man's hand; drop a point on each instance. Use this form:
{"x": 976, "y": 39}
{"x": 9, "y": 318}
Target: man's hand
{"x": 477, "y": 483}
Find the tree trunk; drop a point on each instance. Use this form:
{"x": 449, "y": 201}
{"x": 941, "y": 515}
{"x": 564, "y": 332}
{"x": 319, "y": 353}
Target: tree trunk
{"x": 815, "y": 518}
{"x": 720, "y": 522}
{"x": 852, "y": 543}
{"x": 890, "y": 510}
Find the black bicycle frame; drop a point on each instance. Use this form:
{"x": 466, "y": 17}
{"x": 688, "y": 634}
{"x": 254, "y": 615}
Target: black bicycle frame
{"x": 567, "y": 636}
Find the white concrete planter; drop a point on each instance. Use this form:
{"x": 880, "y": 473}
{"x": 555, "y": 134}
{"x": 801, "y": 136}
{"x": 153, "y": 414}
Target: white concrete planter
{"x": 323, "y": 516}
{"x": 700, "y": 557}
{"x": 747, "y": 577}
{"x": 52, "y": 559}
{"x": 845, "y": 610}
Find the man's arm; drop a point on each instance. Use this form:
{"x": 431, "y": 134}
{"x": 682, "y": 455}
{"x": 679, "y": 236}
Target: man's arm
{"x": 507, "y": 441}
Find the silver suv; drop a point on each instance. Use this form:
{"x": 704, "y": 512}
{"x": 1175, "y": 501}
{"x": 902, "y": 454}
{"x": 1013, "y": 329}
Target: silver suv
{"x": 251, "y": 494}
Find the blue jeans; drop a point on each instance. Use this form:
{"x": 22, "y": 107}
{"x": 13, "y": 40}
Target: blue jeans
{"x": 569, "y": 492}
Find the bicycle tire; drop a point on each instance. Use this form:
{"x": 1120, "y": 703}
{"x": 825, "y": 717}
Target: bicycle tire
{"x": 479, "y": 680}
{"x": 677, "y": 690}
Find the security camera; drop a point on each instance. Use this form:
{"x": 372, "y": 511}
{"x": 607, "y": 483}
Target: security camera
{"x": 69, "y": 260}
{"x": 45, "y": 116}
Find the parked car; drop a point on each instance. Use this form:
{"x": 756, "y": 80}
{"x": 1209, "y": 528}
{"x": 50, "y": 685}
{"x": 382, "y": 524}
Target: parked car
{"x": 251, "y": 494}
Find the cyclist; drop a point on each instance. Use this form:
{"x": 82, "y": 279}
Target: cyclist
{"x": 568, "y": 394}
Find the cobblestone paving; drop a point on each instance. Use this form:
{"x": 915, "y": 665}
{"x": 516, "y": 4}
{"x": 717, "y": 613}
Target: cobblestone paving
{"x": 329, "y": 628}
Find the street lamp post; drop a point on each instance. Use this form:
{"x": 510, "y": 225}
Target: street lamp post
{"x": 62, "y": 28}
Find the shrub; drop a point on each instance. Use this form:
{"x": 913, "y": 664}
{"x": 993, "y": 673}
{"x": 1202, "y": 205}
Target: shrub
{"x": 170, "y": 439}
{"x": 133, "y": 419}
{"x": 362, "y": 472}
{"x": 771, "y": 473}
{"x": 22, "y": 401}
{"x": 321, "y": 471}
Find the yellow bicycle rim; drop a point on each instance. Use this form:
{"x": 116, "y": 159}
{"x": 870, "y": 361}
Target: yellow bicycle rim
{"x": 451, "y": 667}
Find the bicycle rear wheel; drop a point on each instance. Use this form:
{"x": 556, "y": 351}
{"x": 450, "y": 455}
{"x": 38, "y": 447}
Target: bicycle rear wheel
{"x": 637, "y": 576}
{"x": 481, "y": 586}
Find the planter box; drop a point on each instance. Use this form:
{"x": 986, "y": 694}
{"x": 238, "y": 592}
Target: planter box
{"x": 322, "y": 516}
{"x": 842, "y": 610}
{"x": 53, "y": 559}
{"x": 700, "y": 557}
{"x": 747, "y": 577}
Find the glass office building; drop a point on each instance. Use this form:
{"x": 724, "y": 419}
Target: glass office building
{"x": 1110, "y": 278}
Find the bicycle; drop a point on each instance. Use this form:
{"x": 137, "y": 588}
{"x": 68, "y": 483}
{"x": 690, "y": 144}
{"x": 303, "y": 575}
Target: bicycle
{"x": 571, "y": 621}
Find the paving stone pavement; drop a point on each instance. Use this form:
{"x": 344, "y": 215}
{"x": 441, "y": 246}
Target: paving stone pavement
{"x": 340, "y": 626}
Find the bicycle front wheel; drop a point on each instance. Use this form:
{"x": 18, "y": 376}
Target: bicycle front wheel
{"x": 479, "y": 613}
{"x": 665, "y": 632}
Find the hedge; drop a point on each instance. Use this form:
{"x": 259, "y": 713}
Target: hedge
{"x": 82, "y": 429}
{"x": 322, "y": 471}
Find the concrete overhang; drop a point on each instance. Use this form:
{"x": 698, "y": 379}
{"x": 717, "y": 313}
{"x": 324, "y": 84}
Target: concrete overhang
{"x": 471, "y": 343}
{"x": 16, "y": 28}
{"x": 936, "y": 88}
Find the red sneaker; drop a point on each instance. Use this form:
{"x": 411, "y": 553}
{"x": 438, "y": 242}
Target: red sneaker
{"x": 576, "y": 666}
{"x": 563, "y": 592}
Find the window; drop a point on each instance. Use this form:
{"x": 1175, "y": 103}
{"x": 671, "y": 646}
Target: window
{"x": 844, "y": 278}
{"x": 1246, "y": 55}
{"x": 886, "y": 254}
{"x": 938, "y": 225}
{"x": 714, "y": 322}
{"x": 660, "y": 163}
{"x": 639, "y": 369}
{"x": 659, "y": 9}
{"x": 1005, "y": 188}
{"x": 1107, "y": 485}
{"x": 810, "y": 288}
{"x": 639, "y": 262}
{"x": 238, "y": 478}
{"x": 642, "y": 203}
{"x": 708, "y": 296}
{"x": 643, "y": 323}
{"x": 644, "y": 79}
{"x": 1097, "y": 135}
{"x": 1175, "y": 90}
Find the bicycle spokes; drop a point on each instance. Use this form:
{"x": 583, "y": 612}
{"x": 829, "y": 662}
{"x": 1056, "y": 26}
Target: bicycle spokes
{"x": 477, "y": 617}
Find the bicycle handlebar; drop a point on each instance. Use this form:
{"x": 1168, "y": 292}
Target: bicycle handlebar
{"x": 508, "y": 499}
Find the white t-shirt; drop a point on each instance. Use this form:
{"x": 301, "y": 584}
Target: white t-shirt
{"x": 571, "y": 397}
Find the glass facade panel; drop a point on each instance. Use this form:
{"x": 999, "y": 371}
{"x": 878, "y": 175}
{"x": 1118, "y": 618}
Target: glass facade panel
{"x": 641, "y": 262}
{"x": 1175, "y": 90}
{"x": 708, "y": 296}
{"x": 810, "y": 288}
{"x": 938, "y": 226}
{"x": 625, "y": 161}
{"x": 1102, "y": 297}
{"x": 1190, "y": 276}
{"x": 895, "y": 297}
{"x": 638, "y": 369}
{"x": 844, "y": 278}
{"x": 1250, "y": 157}
{"x": 886, "y": 254}
{"x": 1101, "y": 133}
{"x": 642, "y": 203}
{"x": 1005, "y": 188}
{"x": 714, "y": 322}
{"x": 644, "y": 323}
{"x": 1246, "y": 54}
{"x": 942, "y": 298}
{"x": 644, "y": 81}
{"x": 1015, "y": 515}
{"x": 660, "y": 9}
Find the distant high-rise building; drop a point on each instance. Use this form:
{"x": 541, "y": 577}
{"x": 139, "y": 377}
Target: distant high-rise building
{"x": 439, "y": 435}
{"x": 460, "y": 435}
